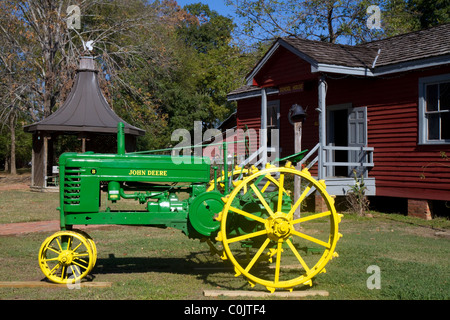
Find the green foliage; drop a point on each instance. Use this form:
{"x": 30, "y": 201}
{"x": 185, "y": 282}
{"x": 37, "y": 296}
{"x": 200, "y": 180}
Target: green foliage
{"x": 204, "y": 67}
{"x": 209, "y": 31}
{"x": 430, "y": 13}
{"x": 357, "y": 200}
{"x": 23, "y": 146}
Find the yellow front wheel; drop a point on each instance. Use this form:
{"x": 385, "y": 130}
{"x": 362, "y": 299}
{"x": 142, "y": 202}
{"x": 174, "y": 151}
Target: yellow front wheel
{"x": 264, "y": 240}
{"x": 67, "y": 256}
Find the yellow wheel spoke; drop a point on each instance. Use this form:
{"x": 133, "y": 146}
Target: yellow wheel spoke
{"x": 269, "y": 177}
{"x": 54, "y": 250}
{"x": 75, "y": 271}
{"x": 261, "y": 198}
{"x": 312, "y": 217}
{"x": 248, "y": 215}
{"x": 277, "y": 265}
{"x": 69, "y": 243}
{"x": 59, "y": 244}
{"x": 280, "y": 193}
{"x": 247, "y": 236}
{"x": 79, "y": 264}
{"x": 257, "y": 255}
{"x": 312, "y": 239}
{"x": 82, "y": 260}
{"x": 54, "y": 268}
{"x": 265, "y": 186}
{"x": 81, "y": 254}
{"x": 79, "y": 245}
{"x": 51, "y": 259}
{"x": 63, "y": 271}
{"x": 297, "y": 203}
{"x": 299, "y": 257}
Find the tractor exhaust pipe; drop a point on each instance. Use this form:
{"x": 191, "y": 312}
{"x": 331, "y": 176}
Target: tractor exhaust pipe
{"x": 120, "y": 139}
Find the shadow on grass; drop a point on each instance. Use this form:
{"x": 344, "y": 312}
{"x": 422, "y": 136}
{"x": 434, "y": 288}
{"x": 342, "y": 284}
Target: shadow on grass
{"x": 191, "y": 264}
{"x": 214, "y": 271}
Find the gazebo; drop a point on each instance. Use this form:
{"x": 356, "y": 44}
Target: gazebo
{"x": 85, "y": 114}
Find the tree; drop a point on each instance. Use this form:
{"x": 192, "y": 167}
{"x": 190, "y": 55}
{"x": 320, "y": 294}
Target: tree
{"x": 162, "y": 67}
{"x": 430, "y": 13}
{"x": 209, "y": 66}
{"x": 16, "y": 81}
{"x": 336, "y": 20}
{"x": 325, "y": 20}
{"x": 39, "y": 42}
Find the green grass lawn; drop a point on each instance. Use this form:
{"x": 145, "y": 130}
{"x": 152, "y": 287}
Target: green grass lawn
{"x": 150, "y": 263}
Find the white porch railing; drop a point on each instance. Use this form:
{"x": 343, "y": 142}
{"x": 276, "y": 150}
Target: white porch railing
{"x": 364, "y": 159}
{"x": 362, "y": 155}
{"x": 306, "y": 158}
{"x": 259, "y": 157}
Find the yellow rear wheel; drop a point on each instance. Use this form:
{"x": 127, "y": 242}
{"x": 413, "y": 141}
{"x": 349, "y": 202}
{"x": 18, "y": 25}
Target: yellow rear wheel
{"x": 67, "y": 256}
{"x": 264, "y": 241}
{"x": 234, "y": 175}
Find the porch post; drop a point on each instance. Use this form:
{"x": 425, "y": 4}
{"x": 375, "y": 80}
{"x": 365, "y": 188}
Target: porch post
{"x": 322, "y": 126}
{"x": 263, "y": 131}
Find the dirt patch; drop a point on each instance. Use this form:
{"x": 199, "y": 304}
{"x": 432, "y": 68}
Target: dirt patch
{"x": 19, "y": 228}
{"x": 15, "y": 182}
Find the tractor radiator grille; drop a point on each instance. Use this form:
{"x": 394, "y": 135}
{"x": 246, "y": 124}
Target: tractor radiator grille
{"x": 72, "y": 186}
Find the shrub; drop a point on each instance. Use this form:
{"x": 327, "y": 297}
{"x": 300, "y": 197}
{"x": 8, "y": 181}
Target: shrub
{"x": 357, "y": 201}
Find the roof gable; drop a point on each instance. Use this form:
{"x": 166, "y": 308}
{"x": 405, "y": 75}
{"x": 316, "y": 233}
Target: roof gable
{"x": 409, "y": 51}
{"x": 325, "y": 52}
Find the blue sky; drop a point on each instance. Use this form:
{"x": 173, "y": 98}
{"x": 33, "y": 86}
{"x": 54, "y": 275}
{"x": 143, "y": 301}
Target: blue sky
{"x": 217, "y": 5}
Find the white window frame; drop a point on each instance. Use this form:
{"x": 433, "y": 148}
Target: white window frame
{"x": 423, "y": 122}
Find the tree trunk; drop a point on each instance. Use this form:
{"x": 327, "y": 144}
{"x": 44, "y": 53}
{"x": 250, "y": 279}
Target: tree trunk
{"x": 330, "y": 25}
{"x": 12, "y": 124}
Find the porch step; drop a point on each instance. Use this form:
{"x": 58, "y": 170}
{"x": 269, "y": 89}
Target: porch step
{"x": 339, "y": 186}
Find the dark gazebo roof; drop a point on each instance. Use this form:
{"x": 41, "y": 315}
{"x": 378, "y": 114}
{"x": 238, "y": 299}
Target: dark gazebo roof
{"x": 85, "y": 110}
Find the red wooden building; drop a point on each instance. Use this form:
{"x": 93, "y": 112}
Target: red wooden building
{"x": 382, "y": 108}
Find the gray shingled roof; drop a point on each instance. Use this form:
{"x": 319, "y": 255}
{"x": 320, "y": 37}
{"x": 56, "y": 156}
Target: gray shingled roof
{"x": 402, "y": 48}
{"x": 329, "y": 53}
{"x": 417, "y": 45}
{"x": 245, "y": 89}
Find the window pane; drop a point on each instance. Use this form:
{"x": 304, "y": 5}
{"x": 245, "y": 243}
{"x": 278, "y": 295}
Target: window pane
{"x": 444, "y": 96}
{"x": 433, "y": 126}
{"x": 432, "y": 97}
{"x": 445, "y": 126}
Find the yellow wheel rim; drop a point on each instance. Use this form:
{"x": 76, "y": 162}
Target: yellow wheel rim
{"x": 276, "y": 235}
{"x": 66, "y": 257}
{"x": 92, "y": 244}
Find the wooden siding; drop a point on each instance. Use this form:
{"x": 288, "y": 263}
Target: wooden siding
{"x": 248, "y": 116}
{"x": 283, "y": 67}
